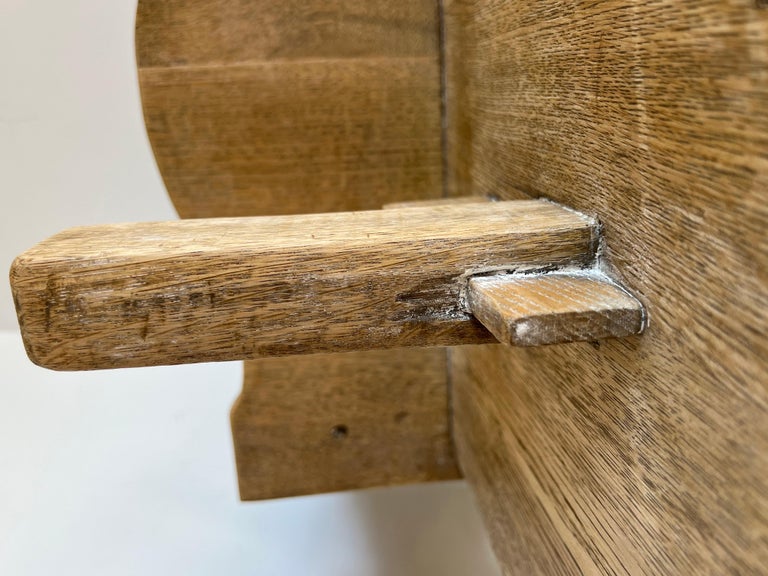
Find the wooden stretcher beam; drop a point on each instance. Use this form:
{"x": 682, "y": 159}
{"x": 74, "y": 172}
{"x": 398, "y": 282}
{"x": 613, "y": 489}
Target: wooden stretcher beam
{"x": 229, "y": 289}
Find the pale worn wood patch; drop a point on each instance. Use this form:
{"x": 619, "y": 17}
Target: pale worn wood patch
{"x": 538, "y": 309}
{"x": 328, "y": 422}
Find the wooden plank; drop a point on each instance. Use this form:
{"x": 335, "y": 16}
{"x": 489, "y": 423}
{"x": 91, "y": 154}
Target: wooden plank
{"x": 327, "y": 422}
{"x": 226, "y": 289}
{"x": 538, "y": 309}
{"x": 179, "y": 32}
{"x": 644, "y": 455}
{"x": 355, "y": 134}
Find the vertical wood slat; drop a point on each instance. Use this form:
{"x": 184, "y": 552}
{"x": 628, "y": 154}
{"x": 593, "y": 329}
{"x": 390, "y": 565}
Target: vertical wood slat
{"x": 361, "y": 128}
{"x": 229, "y": 289}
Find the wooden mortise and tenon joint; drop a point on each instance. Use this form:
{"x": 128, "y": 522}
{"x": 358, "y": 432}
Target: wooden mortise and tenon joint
{"x": 243, "y": 288}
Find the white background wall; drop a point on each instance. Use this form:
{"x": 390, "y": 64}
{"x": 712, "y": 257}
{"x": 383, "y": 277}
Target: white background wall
{"x": 131, "y": 471}
{"x": 72, "y": 144}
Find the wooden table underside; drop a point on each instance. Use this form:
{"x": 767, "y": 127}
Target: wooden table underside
{"x": 640, "y": 456}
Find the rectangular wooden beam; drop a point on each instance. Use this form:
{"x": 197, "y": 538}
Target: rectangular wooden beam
{"x": 227, "y": 289}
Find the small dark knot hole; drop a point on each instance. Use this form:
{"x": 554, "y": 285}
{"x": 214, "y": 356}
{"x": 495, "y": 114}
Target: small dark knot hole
{"x": 339, "y": 431}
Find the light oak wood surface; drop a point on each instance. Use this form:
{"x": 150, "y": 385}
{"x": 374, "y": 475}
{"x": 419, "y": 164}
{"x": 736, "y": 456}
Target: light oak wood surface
{"x": 539, "y": 309}
{"x": 231, "y": 289}
{"x": 361, "y": 127}
{"x": 259, "y": 107}
{"x": 180, "y": 32}
{"x": 327, "y": 422}
{"x": 647, "y": 455}
{"x": 353, "y": 134}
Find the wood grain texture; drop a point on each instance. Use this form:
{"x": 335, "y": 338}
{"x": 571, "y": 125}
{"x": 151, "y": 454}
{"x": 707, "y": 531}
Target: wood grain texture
{"x": 540, "y": 309}
{"x": 257, "y": 107}
{"x": 646, "y": 455}
{"x": 328, "y": 422}
{"x": 437, "y": 202}
{"x": 353, "y": 134}
{"x": 261, "y": 107}
{"x": 184, "y": 33}
{"x": 227, "y": 289}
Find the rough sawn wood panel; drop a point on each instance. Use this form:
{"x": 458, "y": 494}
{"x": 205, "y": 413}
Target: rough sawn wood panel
{"x": 647, "y": 455}
{"x": 192, "y": 33}
{"x": 258, "y": 107}
{"x": 230, "y": 289}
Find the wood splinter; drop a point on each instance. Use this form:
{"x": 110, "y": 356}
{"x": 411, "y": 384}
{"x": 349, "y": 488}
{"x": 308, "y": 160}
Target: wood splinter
{"x": 232, "y": 289}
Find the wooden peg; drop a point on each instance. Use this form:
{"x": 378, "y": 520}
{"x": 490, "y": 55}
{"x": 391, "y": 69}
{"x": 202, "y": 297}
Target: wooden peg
{"x": 536, "y": 309}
